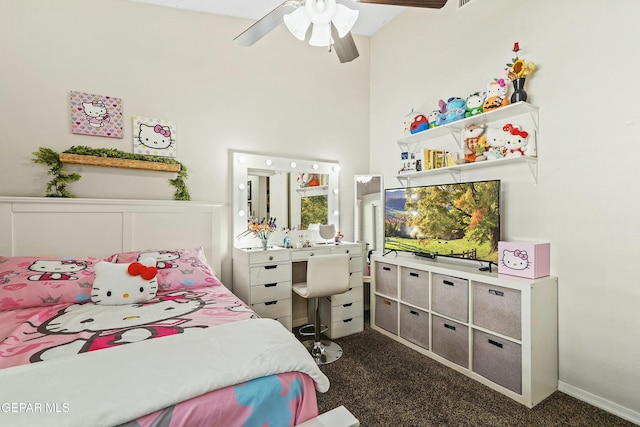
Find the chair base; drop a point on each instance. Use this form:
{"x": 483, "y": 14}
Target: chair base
{"x": 310, "y": 330}
{"x": 324, "y": 351}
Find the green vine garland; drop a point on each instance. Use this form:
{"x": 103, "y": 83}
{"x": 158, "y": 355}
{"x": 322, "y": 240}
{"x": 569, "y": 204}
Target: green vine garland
{"x": 57, "y": 187}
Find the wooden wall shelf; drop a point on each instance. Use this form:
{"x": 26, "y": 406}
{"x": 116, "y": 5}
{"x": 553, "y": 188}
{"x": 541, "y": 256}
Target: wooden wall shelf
{"x": 78, "y": 159}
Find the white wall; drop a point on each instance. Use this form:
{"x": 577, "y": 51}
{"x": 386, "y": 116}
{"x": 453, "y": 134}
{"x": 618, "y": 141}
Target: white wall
{"x": 280, "y": 96}
{"x": 586, "y": 199}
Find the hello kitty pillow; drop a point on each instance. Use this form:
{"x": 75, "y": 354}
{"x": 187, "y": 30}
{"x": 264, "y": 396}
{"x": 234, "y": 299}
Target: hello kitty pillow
{"x": 30, "y": 281}
{"x": 120, "y": 284}
{"x": 178, "y": 269}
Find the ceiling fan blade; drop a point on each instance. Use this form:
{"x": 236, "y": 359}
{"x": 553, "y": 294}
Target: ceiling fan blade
{"x": 345, "y": 47}
{"x": 267, "y": 23}
{"x": 431, "y": 4}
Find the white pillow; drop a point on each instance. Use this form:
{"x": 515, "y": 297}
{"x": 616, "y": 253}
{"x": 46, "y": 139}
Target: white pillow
{"x": 119, "y": 284}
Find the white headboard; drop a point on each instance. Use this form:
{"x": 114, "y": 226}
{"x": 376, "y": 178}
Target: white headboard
{"x": 45, "y": 226}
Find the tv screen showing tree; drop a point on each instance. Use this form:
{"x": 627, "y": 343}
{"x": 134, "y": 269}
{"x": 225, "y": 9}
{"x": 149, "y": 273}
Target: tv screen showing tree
{"x": 459, "y": 220}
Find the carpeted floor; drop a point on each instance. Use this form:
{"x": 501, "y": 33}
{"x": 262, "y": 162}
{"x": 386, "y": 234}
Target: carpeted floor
{"x": 384, "y": 383}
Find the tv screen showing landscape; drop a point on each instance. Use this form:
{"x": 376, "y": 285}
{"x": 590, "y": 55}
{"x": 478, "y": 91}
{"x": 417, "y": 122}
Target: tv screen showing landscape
{"x": 459, "y": 220}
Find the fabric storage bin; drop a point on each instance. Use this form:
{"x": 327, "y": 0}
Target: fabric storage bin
{"x": 450, "y": 340}
{"x": 414, "y": 325}
{"x": 450, "y": 296}
{"x": 414, "y": 287}
{"x": 497, "y": 308}
{"x": 387, "y": 314}
{"x": 386, "y": 279}
{"x": 498, "y": 360}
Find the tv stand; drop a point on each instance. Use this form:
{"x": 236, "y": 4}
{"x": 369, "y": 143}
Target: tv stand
{"x": 499, "y": 330}
{"x": 425, "y": 255}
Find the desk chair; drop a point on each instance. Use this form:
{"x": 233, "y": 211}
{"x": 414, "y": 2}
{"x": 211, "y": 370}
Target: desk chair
{"x": 326, "y": 275}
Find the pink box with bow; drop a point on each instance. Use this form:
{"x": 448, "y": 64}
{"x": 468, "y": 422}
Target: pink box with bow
{"x": 524, "y": 259}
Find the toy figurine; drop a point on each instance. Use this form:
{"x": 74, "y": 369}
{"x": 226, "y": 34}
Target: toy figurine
{"x": 472, "y": 135}
{"x": 454, "y": 110}
{"x": 419, "y": 124}
{"x": 432, "y": 118}
{"x": 516, "y": 140}
{"x": 475, "y": 101}
{"x": 496, "y": 141}
{"x": 496, "y": 95}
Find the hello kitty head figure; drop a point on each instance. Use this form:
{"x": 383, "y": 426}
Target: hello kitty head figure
{"x": 117, "y": 284}
{"x": 515, "y": 260}
{"x": 497, "y": 88}
{"x": 515, "y": 140}
{"x": 157, "y": 137}
{"x": 94, "y": 109}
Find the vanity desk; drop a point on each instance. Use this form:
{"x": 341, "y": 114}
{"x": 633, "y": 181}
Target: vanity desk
{"x": 263, "y": 280}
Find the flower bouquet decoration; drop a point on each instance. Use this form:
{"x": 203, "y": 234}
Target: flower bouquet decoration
{"x": 260, "y": 229}
{"x": 517, "y": 72}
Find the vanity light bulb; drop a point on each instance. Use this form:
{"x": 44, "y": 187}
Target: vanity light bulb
{"x": 315, "y": 167}
{"x": 293, "y": 165}
{"x": 336, "y": 168}
{"x": 335, "y": 191}
{"x": 242, "y": 159}
{"x": 241, "y": 186}
{"x": 269, "y": 162}
{"x": 335, "y": 213}
{"x": 241, "y": 213}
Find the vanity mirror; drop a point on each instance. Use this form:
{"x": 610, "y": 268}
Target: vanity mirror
{"x": 285, "y": 197}
{"x": 368, "y": 221}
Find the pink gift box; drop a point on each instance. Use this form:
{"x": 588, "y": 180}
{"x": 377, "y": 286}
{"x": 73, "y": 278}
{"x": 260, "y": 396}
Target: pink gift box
{"x": 531, "y": 260}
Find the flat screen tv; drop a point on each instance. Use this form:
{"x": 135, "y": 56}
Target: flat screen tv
{"x": 460, "y": 220}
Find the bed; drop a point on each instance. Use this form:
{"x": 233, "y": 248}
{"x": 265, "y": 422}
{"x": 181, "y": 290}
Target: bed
{"x": 190, "y": 353}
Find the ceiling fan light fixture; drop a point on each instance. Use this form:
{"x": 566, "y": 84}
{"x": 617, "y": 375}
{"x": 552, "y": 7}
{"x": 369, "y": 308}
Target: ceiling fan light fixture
{"x": 321, "y": 35}
{"x": 344, "y": 19}
{"x": 298, "y": 23}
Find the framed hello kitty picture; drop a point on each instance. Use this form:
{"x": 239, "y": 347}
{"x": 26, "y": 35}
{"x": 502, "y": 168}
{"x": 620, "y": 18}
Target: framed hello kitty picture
{"x": 154, "y": 137}
{"x": 97, "y": 115}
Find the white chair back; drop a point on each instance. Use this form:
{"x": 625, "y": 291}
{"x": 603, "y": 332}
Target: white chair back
{"x": 327, "y": 275}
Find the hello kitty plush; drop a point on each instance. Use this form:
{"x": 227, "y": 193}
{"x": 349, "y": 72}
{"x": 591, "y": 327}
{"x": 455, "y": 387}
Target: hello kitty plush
{"x": 132, "y": 283}
{"x": 496, "y": 95}
{"x": 472, "y": 135}
{"x": 516, "y": 140}
{"x": 475, "y": 101}
{"x": 496, "y": 142}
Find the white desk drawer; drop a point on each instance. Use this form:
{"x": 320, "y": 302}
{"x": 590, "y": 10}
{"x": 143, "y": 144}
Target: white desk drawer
{"x": 351, "y": 250}
{"x": 352, "y": 295}
{"x": 341, "y": 312}
{"x": 260, "y": 257}
{"x": 304, "y": 255}
{"x": 355, "y": 279}
{"x": 270, "y": 273}
{"x": 355, "y": 264}
{"x": 345, "y": 327}
{"x": 273, "y": 309}
{"x": 270, "y": 292}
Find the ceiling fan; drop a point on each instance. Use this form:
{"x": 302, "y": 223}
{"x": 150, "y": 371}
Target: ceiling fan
{"x": 329, "y": 21}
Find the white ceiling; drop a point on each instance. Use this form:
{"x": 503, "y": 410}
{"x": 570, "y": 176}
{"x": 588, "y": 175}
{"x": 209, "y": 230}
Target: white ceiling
{"x": 372, "y": 16}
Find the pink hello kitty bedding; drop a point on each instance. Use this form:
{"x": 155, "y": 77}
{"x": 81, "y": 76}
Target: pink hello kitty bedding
{"x": 45, "y": 316}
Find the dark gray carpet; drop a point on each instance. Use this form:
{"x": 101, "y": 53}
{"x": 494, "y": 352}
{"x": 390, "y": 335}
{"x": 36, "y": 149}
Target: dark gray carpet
{"x": 384, "y": 383}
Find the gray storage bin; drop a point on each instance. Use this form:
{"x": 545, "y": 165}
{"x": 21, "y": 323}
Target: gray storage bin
{"x": 414, "y": 287}
{"x": 387, "y": 314}
{"x": 450, "y": 340}
{"x": 497, "y": 308}
{"x": 386, "y": 279}
{"x": 498, "y": 360}
{"x": 414, "y": 325}
{"x": 450, "y": 296}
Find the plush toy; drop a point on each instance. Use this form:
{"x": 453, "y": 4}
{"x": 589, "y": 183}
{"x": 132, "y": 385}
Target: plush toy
{"x": 454, "y": 110}
{"x": 475, "y": 102}
{"x": 496, "y": 141}
{"x": 432, "y": 118}
{"x": 308, "y": 180}
{"x": 119, "y": 284}
{"x": 419, "y": 124}
{"x": 516, "y": 140}
{"x": 496, "y": 95}
{"x": 472, "y": 135}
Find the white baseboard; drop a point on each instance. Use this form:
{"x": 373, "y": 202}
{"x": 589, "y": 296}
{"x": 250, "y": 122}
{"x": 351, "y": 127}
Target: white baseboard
{"x": 599, "y": 402}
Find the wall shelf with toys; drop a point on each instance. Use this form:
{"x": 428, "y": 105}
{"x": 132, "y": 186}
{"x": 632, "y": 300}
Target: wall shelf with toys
{"x": 450, "y": 138}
